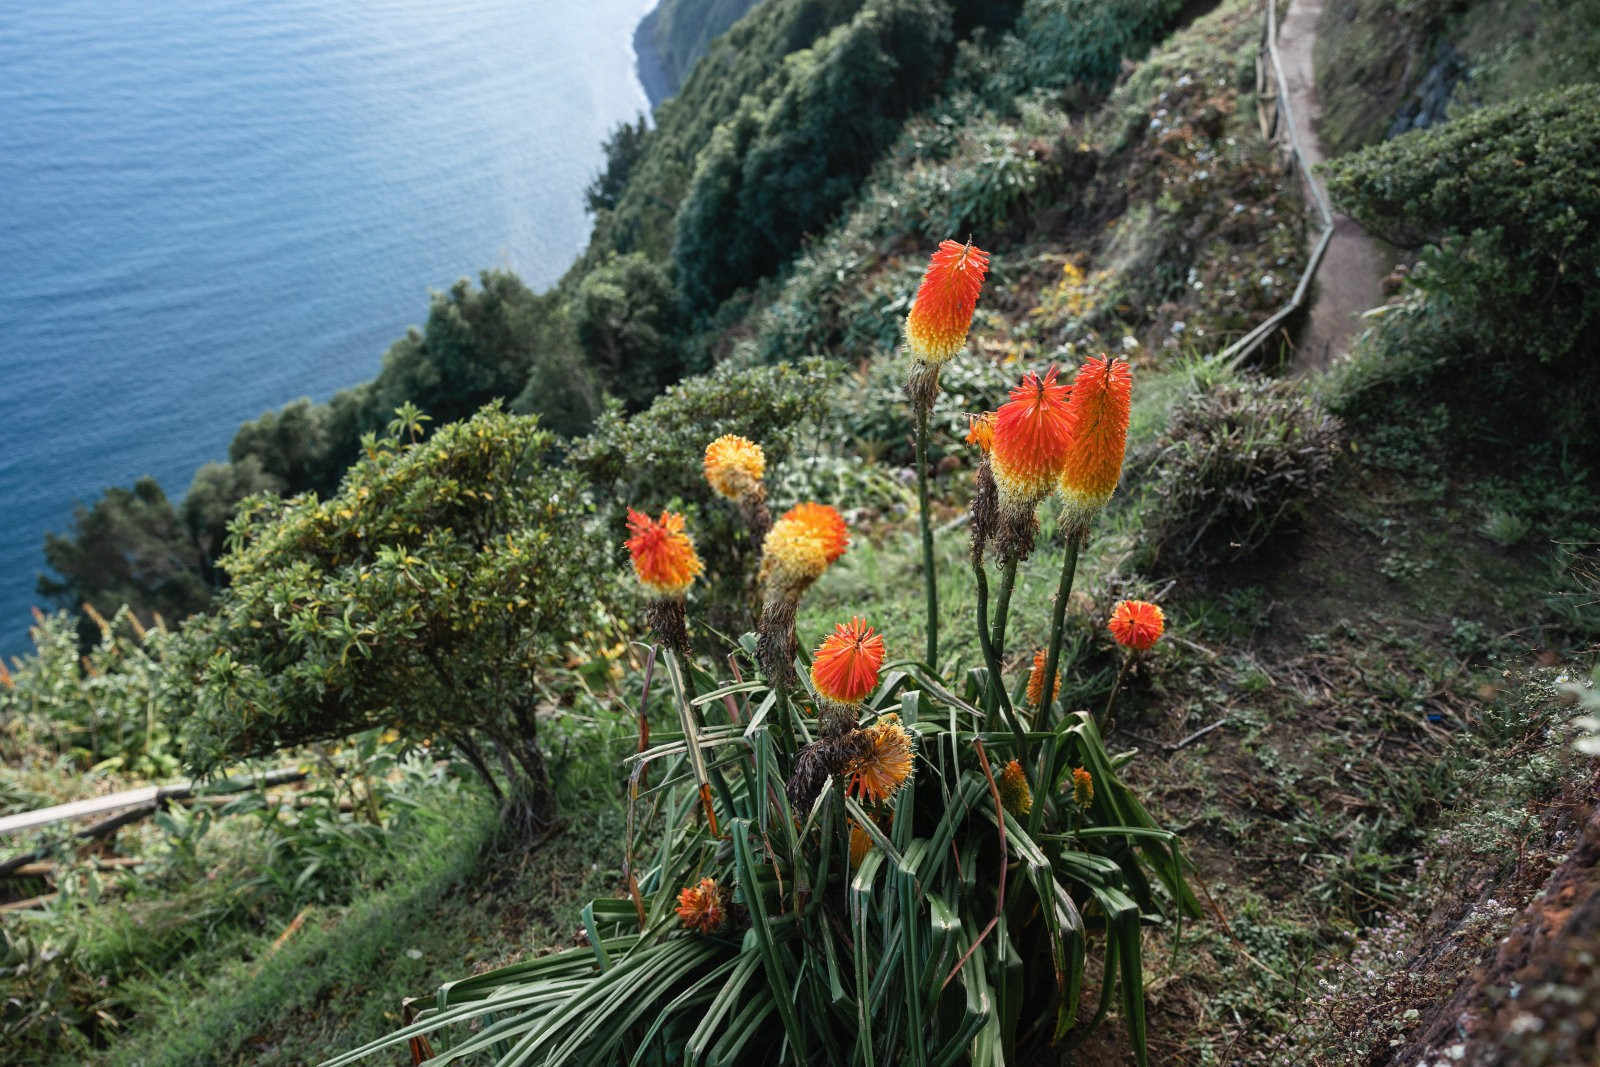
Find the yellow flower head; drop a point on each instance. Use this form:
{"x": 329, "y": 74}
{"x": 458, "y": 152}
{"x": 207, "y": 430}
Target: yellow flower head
{"x": 801, "y": 545}
{"x": 1036, "y": 681}
{"x": 860, "y": 844}
{"x": 1082, "y": 787}
{"x": 663, "y": 555}
{"x": 1014, "y": 791}
{"x": 980, "y": 431}
{"x": 886, "y": 767}
{"x": 734, "y": 466}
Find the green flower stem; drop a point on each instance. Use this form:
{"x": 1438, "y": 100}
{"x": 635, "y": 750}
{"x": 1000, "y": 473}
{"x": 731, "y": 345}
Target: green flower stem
{"x": 1122, "y": 672}
{"x": 930, "y": 578}
{"x": 1047, "y": 700}
{"x": 1058, "y": 619}
{"x": 991, "y": 659}
{"x": 1002, "y": 608}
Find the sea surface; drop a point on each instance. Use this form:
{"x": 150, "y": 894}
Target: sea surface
{"x": 211, "y": 207}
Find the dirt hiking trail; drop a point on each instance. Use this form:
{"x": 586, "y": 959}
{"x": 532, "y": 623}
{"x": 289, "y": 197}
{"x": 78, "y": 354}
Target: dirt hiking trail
{"x": 1349, "y": 280}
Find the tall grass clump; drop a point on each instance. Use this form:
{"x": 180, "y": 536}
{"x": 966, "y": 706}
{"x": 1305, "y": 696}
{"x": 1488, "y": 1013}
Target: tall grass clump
{"x": 847, "y": 856}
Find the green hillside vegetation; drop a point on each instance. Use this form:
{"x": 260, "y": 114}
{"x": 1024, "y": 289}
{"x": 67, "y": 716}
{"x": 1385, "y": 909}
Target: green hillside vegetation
{"x": 1380, "y": 586}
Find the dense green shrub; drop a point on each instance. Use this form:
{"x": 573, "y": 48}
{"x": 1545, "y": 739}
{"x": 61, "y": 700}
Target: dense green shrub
{"x": 625, "y": 315}
{"x": 423, "y": 596}
{"x": 1498, "y": 330}
{"x": 1511, "y": 194}
{"x": 654, "y": 458}
{"x": 1234, "y": 466}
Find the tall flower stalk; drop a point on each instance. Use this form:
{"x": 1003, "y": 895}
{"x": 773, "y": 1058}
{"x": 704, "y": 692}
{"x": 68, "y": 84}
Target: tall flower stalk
{"x": 936, "y": 329}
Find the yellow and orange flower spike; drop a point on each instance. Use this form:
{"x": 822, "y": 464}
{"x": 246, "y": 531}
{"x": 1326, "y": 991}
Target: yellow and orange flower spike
{"x": 1036, "y": 680}
{"x": 1014, "y": 791}
{"x": 941, "y": 314}
{"x": 1137, "y": 624}
{"x": 845, "y": 668}
{"x": 734, "y": 466}
{"x": 1102, "y": 395}
{"x": 700, "y": 907}
{"x": 802, "y": 544}
{"x": 663, "y": 555}
{"x": 886, "y": 767}
{"x": 1032, "y": 434}
{"x": 1082, "y": 787}
{"x": 980, "y": 431}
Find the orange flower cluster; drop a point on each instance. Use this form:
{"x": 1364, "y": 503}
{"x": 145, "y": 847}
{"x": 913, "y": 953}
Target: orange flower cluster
{"x": 1137, "y": 624}
{"x": 980, "y": 431}
{"x": 801, "y": 545}
{"x": 845, "y": 667}
{"x": 700, "y": 907}
{"x": 1032, "y": 434}
{"x": 664, "y": 558}
{"x": 879, "y": 774}
{"x": 734, "y": 466}
{"x": 1036, "y": 681}
{"x": 941, "y": 314}
{"x": 1102, "y": 394}
{"x": 1082, "y": 787}
{"x": 1014, "y": 791}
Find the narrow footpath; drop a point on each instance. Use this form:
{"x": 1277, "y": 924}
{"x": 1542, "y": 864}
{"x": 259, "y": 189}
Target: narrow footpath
{"x": 1350, "y": 279}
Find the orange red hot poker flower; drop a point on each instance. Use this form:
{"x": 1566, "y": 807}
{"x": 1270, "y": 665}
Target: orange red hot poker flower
{"x": 1036, "y": 681}
{"x": 845, "y": 668}
{"x": 802, "y": 544}
{"x": 1032, "y": 434}
{"x": 1137, "y": 624}
{"x": 879, "y": 774}
{"x": 700, "y": 907}
{"x": 663, "y": 555}
{"x": 941, "y": 314}
{"x": 1102, "y": 395}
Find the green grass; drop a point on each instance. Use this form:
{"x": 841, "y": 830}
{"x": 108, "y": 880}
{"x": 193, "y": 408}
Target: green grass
{"x": 451, "y": 902}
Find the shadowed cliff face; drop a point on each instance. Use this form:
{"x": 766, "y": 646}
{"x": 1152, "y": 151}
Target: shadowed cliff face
{"x": 674, "y": 35}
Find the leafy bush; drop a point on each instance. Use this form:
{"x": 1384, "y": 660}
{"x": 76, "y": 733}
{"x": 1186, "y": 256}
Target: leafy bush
{"x": 625, "y": 315}
{"x": 423, "y": 596}
{"x": 1511, "y": 195}
{"x": 1234, "y": 466}
{"x": 93, "y": 712}
{"x": 128, "y": 549}
{"x": 1498, "y": 329}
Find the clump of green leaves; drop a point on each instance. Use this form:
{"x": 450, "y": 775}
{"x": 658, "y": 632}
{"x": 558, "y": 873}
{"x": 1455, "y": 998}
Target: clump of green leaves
{"x": 425, "y": 596}
{"x": 95, "y": 712}
{"x": 1234, "y": 466}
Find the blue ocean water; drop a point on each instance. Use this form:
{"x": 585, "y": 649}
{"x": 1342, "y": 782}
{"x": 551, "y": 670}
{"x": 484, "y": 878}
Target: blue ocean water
{"x": 211, "y": 207}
